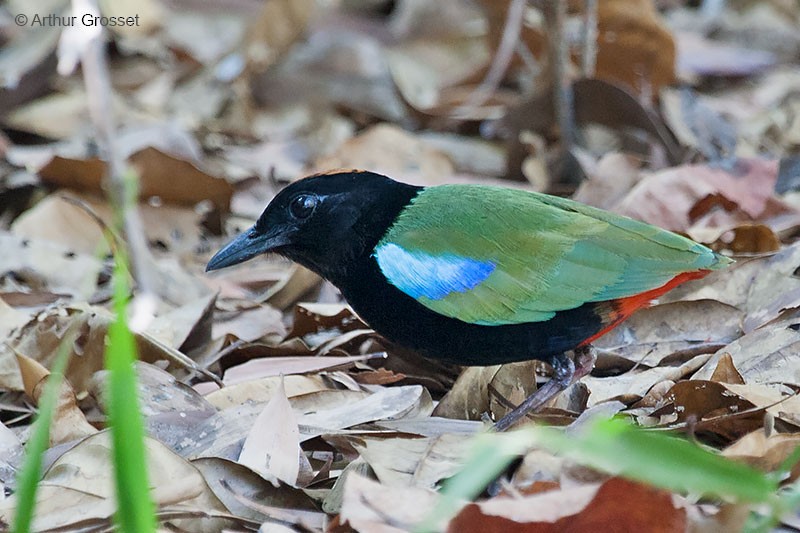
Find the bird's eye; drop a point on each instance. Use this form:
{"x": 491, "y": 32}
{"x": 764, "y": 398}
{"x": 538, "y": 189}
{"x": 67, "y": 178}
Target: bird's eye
{"x": 302, "y": 206}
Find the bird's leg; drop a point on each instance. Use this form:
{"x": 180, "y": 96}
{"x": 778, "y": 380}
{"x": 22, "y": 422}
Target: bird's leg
{"x": 565, "y": 373}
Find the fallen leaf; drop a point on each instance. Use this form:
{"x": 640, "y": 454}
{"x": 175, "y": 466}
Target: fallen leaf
{"x": 764, "y": 452}
{"x": 667, "y": 198}
{"x": 79, "y": 486}
{"x": 700, "y": 56}
{"x": 272, "y": 448}
{"x": 402, "y": 156}
{"x": 725, "y": 371}
{"x": 282, "y": 366}
{"x": 69, "y": 422}
{"x": 709, "y": 406}
{"x": 761, "y": 356}
{"x": 369, "y": 506}
{"x": 231, "y": 482}
{"x": 160, "y": 174}
{"x": 159, "y": 392}
{"x": 414, "y": 462}
{"x": 630, "y": 506}
{"x": 659, "y": 332}
{"x": 634, "y": 46}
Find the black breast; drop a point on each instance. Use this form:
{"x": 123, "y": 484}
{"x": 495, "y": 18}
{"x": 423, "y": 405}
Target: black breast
{"x": 403, "y": 320}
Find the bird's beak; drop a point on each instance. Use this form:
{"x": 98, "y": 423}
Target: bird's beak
{"x": 246, "y": 246}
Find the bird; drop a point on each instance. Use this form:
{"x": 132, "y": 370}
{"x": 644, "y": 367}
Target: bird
{"x": 475, "y": 275}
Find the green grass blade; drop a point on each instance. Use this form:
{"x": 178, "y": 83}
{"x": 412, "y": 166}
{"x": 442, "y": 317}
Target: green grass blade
{"x": 135, "y": 512}
{"x": 615, "y": 447}
{"x": 659, "y": 460}
{"x": 31, "y": 471}
{"x": 490, "y": 454}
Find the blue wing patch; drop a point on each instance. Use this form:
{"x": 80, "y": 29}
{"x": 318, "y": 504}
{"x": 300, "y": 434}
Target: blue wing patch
{"x": 432, "y": 276}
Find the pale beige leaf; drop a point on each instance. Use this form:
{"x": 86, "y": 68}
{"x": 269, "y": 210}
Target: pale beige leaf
{"x": 272, "y": 448}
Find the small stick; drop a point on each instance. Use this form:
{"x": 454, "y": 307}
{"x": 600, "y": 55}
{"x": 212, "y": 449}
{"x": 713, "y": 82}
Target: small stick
{"x": 589, "y": 52}
{"x": 559, "y": 59}
{"x": 502, "y": 58}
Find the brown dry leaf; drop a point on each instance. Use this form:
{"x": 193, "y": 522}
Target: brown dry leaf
{"x": 669, "y": 198}
{"x": 634, "y": 46}
{"x": 510, "y": 385}
{"x": 278, "y": 25}
{"x": 778, "y": 400}
{"x": 730, "y": 286}
{"x": 709, "y": 406}
{"x": 764, "y": 288}
{"x": 298, "y": 282}
{"x": 261, "y": 390}
{"x": 256, "y": 369}
{"x": 774, "y": 289}
{"x": 311, "y": 318}
{"x": 79, "y": 486}
{"x": 253, "y": 323}
{"x": 221, "y": 435}
{"x": 60, "y": 115}
{"x": 231, "y": 482}
{"x": 408, "y": 401}
{"x": 379, "y": 376}
{"x": 658, "y": 332}
{"x": 69, "y": 422}
{"x": 159, "y": 392}
{"x": 433, "y": 426}
{"x": 766, "y": 355}
{"x": 204, "y": 36}
{"x": 628, "y": 505}
{"x": 39, "y": 339}
{"x": 725, "y": 371}
{"x": 272, "y": 448}
{"x": 282, "y": 160}
{"x": 389, "y": 150}
{"x": 425, "y": 68}
{"x": 369, "y": 506}
{"x": 539, "y": 512}
{"x": 745, "y": 239}
{"x": 28, "y": 60}
{"x": 764, "y": 452}
{"x": 59, "y": 219}
{"x": 468, "y": 398}
{"x": 269, "y": 280}
{"x": 161, "y": 175}
{"x": 344, "y": 68}
{"x": 414, "y": 462}
{"x": 632, "y": 386}
{"x": 174, "y": 327}
{"x": 469, "y": 155}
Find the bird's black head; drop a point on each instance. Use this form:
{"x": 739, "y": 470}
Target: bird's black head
{"x": 325, "y": 222}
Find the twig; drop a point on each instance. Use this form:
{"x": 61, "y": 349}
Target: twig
{"x": 589, "y": 51}
{"x": 559, "y": 59}
{"x": 122, "y": 184}
{"x": 502, "y": 59}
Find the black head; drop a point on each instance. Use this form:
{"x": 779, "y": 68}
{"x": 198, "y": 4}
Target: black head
{"x": 324, "y": 222}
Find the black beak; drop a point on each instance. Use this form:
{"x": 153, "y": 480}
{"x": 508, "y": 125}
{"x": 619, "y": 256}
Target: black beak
{"x": 246, "y": 246}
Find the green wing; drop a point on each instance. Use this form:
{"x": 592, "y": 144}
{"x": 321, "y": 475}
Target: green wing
{"x": 547, "y": 254}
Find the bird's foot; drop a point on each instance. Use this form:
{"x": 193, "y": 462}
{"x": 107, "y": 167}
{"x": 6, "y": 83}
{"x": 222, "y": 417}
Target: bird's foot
{"x": 585, "y": 358}
{"x": 565, "y": 373}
